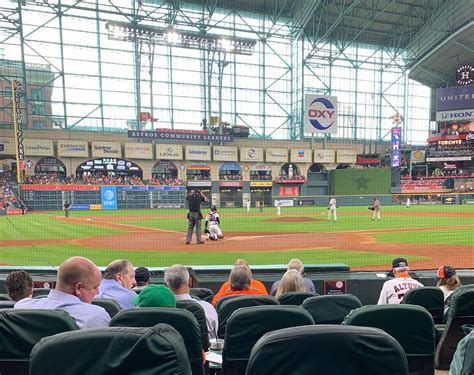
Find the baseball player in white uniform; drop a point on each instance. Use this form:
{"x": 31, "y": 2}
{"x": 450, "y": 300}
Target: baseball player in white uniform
{"x": 278, "y": 206}
{"x": 332, "y": 209}
{"x": 394, "y": 290}
{"x": 213, "y": 224}
{"x": 408, "y": 203}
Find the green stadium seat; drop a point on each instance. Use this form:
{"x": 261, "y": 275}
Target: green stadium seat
{"x": 157, "y": 350}
{"x": 412, "y": 326}
{"x": 331, "y": 309}
{"x": 461, "y": 312}
{"x": 203, "y": 294}
{"x": 248, "y": 324}
{"x": 40, "y": 292}
{"x": 7, "y": 304}
{"x": 21, "y": 329}
{"x": 5, "y": 297}
{"x": 463, "y": 358}
{"x": 200, "y": 316}
{"x": 182, "y": 320}
{"x": 327, "y": 349}
{"x": 430, "y": 297}
{"x": 294, "y": 298}
{"x": 229, "y": 305}
{"x": 110, "y": 305}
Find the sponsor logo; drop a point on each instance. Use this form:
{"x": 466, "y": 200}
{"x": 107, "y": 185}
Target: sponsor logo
{"x": 106, "y": 149}
{"x": 470, "y": 137}
{"x": 457, "y": 115}
{"x": 321, "y": 113}
{"x": 301, "y": 153}
{"x": 71, "y": 147}
{"x": 251, "y": 153}
{"x": 450, "y": 142}
{"x": 197, "y": 152}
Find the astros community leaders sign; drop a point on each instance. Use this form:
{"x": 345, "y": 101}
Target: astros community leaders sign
{"x": 179, "y": 136}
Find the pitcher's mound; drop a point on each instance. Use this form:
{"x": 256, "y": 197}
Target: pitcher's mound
{"x": 295, "y": 219}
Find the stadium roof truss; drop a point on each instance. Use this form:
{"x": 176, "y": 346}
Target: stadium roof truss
{"x": 320, "y": 46}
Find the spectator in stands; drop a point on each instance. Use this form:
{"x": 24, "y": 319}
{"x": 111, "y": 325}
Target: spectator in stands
{"x": 19, "y": 285}
{"x": 295, "y": 264}
{"x": 193, "y": 280}
{"x": 142, "y": 277}
{"x": 155, "y": 295}
{"x": 292, "y": 281}
{"x": 77, "y": 284}
{"x": 448, "y": 281}
{"x": 178, "y": 280}
{"x": 394, "y": 290}
{"x": 119, "y": 279}
{"x": 239, "y": 284}
{"x": 255, "y": 284}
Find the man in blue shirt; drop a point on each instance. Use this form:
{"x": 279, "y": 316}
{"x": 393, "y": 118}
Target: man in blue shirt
{"x": 119, "y": 279}
{"x": 77, "y": 284}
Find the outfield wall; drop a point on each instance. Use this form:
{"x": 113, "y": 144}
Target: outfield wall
{"x": 360, "y": 181}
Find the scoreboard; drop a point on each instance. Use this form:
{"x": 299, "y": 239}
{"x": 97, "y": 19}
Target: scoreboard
{"x": 53, "y": 197}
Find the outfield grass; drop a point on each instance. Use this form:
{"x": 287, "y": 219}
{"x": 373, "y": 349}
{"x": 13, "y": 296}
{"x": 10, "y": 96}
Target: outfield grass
{"x": 43, "y": 226}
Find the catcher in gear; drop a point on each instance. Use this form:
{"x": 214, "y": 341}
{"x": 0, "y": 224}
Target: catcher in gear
{"x": 212, "y": 227}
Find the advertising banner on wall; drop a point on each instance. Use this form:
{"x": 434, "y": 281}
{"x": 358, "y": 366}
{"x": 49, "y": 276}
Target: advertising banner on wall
{"x": 300, "y": 155}
{"x": 261, "y": 184}
{"x": 73, "y": 149}
{"x": 107, "y": 149}
{"x": 194, "y": 152}
{"x": 7, "y": 146}
{"x": 346, "y": 156}
{"x": 289, "y": 191}
{"x": 452, "y": 98}
{"x": 324, "y": 156}
{"x": 277, "y": 155}
{"x": 224, "y": 153}
{"x": 169, "y": 152}
{"x": 396, "y": 141}
{"x": 139, "y": 150}
{"x": 17, "y": 91}
{"x": 320, "y": 114}
{"x": 38, "y": 147}
{"x": 179, "y": 135}
{"x": 108, "y": 196}
{"x": 251, "y": 154}
{"x": 418, "y": 156}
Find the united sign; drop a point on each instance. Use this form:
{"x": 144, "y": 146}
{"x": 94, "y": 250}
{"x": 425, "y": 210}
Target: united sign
{"x": 320, "y": 114}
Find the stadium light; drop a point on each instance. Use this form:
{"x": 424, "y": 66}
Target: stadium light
{"x": 183, "y": 39}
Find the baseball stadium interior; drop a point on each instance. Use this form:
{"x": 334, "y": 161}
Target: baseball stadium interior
{"x": 334, "y": 137}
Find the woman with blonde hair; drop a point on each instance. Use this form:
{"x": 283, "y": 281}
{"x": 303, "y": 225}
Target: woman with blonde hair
{"x": 448, "y": 282}
{"x": 292, "y": 281}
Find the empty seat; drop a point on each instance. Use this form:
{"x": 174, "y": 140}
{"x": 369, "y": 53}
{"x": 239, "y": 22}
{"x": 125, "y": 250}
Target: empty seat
{"x": 21, "y": 329}
{"x": 331, "y": 309}
{"x": 327, "y": 349}
{"x": 229, "y": 305}
{"x": 181, "y": 320}
{"x": 248, "y": 324}
{"x": 157, "y": 350}
{"x": 430, "y": 297}
{"x": 110, "y": 305}
{"x": 412, "y": 326}
{"x": 294, "y": 298}
{"x": 461, "y": 312}
{"x": 203, "y": 294}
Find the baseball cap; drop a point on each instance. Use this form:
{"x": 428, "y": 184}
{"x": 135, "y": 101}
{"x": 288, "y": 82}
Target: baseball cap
{"x": 155, "y": 296}
{"x": 142, "y": 274}
{"x": 399, "y": 262}
{"x": 445, "y": 272}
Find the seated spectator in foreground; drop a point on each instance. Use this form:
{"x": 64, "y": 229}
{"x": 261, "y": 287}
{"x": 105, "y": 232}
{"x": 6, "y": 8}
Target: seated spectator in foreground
{"x": 394, "y": 290}
{"x": 292, "y": 281}
{"x": 155, "y": 295}
{"x": 255, "y": 284}
{"x": 448, "y": 282}
{"x": 296, "y": 264}
{"x": 117, "y": 284}
{"x": 19, "y": 285}
{"x": 77, "y": 284}
{"x": 142, "y": 277}
{"x": 240, "y": 279}
{"x": 193, "y": 280}
{"x": 178, "y": 280}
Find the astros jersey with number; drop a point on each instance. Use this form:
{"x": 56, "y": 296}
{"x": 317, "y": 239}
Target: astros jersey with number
{"x": 394, "y": 290}
{"x": 213, "y": 218}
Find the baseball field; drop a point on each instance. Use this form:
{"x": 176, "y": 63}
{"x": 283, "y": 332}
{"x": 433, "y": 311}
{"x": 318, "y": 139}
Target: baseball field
{"x": 428, "y": 236}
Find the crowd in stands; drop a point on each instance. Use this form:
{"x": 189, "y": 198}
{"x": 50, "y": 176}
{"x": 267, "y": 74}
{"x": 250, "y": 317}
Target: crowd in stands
{"x": 260, "y": 177}
{"x": 80, "y": 284}
{"x": 423, "y": 184}
{"x": 88, "y": 179}
{"x": 298, "y": 177}
{"x": 7, "y": 198}
{"x": 230, "y": 177}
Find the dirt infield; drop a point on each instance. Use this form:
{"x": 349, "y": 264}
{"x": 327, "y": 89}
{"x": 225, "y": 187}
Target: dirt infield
{"x": 293, "y": 219}
{"x": 154, "y": 239}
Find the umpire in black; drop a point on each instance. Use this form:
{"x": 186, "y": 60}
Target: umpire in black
{"x": 195, "y": 198}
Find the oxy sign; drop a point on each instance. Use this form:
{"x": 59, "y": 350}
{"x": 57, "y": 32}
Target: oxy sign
{"x": 320, "y": 114}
